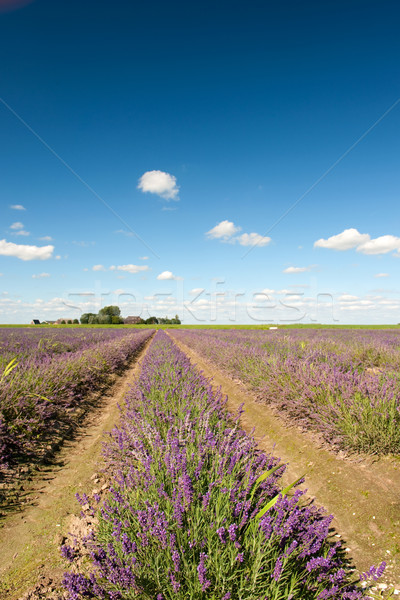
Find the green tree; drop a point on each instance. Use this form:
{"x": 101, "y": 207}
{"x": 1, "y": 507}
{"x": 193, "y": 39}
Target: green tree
{"x": 93, "y": 320}
{"x": 117, "y": 320}
{"x": 151, "y": 321}
{"x": 104, "y": 319}
{"x": 112, "y": 311}
{"x": 85, "y": 318}
{"x": 62, "y": 322}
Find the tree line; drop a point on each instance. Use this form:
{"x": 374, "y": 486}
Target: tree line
{"x": 111, "y": 315}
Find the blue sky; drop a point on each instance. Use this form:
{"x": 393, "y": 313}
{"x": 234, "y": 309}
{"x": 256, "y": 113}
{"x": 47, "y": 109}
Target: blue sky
{"x": 144, "y": 143}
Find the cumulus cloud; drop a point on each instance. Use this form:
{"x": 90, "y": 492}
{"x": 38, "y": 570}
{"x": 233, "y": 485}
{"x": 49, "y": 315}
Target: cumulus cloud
{"x": 253, "y": 239}
{"x": 98, "y": 268}
{"x": 46, "y": 238}
{"x": 349, "y": 238}
{"x": 362, "y": 242}
{"x": 347, "y": 297}
{"x": 168, "y": 275}
{"x": 160, "y": 183}
{"x": 17, "y": 207}
{"x": 18, "y": 229}
{"x": 41, "y": 276}
{"x": 380, "y": 245}
{"x": 25, "y": 252}
{"x": 129, "y": 268}
{"x": 224, "y": 230}
{"x": 297, "y": 269}
{"x": 381, "y": 275}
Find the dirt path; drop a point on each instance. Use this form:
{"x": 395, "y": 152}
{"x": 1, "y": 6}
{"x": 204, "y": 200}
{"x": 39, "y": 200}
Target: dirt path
{"x": 364, "y": 496}
{"x": 30, "y": 540}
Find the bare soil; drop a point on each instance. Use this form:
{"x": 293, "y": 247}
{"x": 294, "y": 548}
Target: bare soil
{"x": 31, "y": 565}
{"x": 362, "y": 492}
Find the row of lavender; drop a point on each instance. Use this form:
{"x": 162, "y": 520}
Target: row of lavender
{"x": 38, "y": 345}
{"x": 195, "y": 510}
{"x": 343, "y": 384}
{"x": 39, "y": 396}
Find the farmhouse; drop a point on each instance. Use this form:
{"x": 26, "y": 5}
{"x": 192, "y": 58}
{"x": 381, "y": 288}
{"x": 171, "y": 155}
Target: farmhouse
{"x": 62, "y": 321}
{"x": 132, "y": 320}
{"x": 35, "y": 322}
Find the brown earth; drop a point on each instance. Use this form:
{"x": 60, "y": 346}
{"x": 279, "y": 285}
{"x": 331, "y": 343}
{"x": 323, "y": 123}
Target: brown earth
{"x": 363, "y": 493}
{"x": 30, "y": 539}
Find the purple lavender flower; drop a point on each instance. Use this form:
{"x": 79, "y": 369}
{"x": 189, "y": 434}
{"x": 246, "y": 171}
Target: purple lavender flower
{"x": 202, "y": 572}
{"x": 221, "y": 532}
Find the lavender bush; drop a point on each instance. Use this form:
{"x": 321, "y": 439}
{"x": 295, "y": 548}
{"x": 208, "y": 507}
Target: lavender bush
{"x": 39, "y": 397}
{"x": 183, "y": 519}
{"x": 328, "y": 381}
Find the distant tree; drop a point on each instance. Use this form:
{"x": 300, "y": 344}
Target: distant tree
{"x": 151, "y": 321}
{"x": 76, "y": 322}
{"x": 85, "y": 318}
{"x": 176, "y": 320}
{"x": 117, "y": 320}
{"x": 112, "y": 311}
{"x": 62, "y": 322}
{"x": 104, "y": 319}
{"x": 93, "y": 320}
{"x": 69, "y": 322}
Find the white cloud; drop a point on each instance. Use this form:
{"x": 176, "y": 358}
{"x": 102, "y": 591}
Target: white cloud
{"x": 41, "y": 276}
{"x": 17, "y": 207}
{"x": 25, "y": 252}
{"x": 143, "y": 257}
{"x": 98, "y": 268}
{"x": 349, "y": 238}
{"x": 22, "y": 232}
{"x": 380, "y": 245}
{"x": 46, "y": 238}
{"x": 297, "y": 269}
{"x": 159, "y": 183}
{"x": 224, "y": 230}
{"x": 381, "y": 275}
{"x": 168, "y": 275}
{"x": 17, "y": 225}
{"x": 253, "y": 239}
{"x": 196, "y": 291}
{"x": 129, "y": 268}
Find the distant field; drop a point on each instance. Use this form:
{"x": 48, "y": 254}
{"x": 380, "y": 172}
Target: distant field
{"x": 214, "y": 326}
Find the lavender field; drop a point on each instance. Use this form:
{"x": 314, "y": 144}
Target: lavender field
{"x": 343, "y": 384}
{"x": 49, "y": 375}
{"x": 195, "y": 509}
